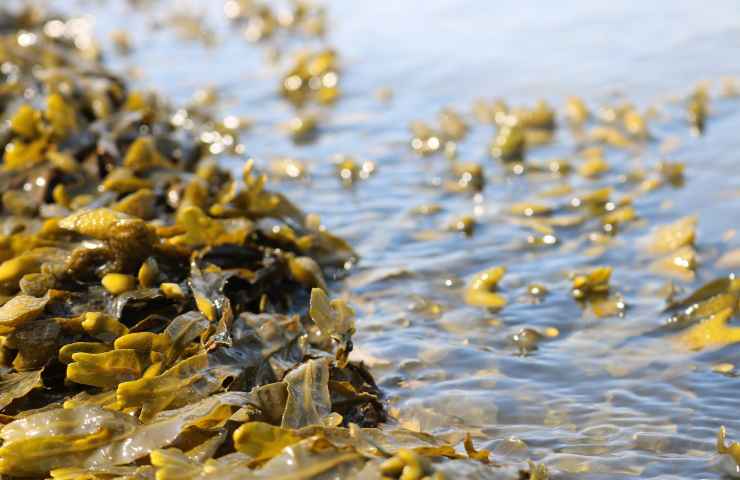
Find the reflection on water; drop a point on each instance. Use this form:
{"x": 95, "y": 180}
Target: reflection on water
{"x": 604, "y": 397}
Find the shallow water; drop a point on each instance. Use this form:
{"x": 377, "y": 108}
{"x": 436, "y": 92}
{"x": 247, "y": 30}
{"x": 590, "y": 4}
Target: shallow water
{"x": 607, "y": 398}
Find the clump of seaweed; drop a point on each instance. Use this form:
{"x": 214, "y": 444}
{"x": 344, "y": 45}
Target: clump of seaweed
{"x": 159, "y": 315}
{"x": 703, "y": 317}
{"x": 480, "y": 291}
{"x": 260, "y": 21}
{"x": 314, "y": 76}
{"x": 593, "y": 283}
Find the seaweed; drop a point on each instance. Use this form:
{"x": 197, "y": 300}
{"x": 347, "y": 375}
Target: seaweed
{"x": 160, "y": 315}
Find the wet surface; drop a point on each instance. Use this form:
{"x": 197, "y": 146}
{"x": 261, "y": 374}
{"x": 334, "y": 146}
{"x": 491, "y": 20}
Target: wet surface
{"x": 604, "y": 398}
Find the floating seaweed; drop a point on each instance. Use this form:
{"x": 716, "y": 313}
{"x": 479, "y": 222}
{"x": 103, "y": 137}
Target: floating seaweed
{"x": 593, "y": 283}
{"x": 698, "y": 109}
{"x": 313, "y": 77}
{"x": 350, "y": 170}
{"x": 703, "y": 316}
{"x": 480, "y": 290}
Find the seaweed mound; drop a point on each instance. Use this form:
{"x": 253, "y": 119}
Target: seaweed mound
{"x": 150, "y": 298}
{"x": 160, "y": 316}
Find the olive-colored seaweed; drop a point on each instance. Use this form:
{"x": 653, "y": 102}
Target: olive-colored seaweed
{"x": 155, "y": 315}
